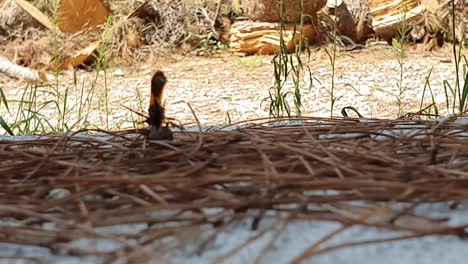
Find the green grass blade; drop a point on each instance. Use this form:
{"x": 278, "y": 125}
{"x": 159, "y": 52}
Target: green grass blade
{"x": 4, "y": 100}
{"x": 5, "y": 126}
{"x": 464, "y": 95}
{"x": 351, "y": 108}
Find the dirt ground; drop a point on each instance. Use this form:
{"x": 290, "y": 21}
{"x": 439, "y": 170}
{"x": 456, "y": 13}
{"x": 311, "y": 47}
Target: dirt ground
{"x": 226, "y": 88}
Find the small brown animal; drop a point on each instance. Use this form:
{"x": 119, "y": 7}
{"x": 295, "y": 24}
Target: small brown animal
{"x": 156, "y": 110}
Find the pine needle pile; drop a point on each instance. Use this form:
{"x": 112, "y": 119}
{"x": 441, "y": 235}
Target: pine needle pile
{"x": 355, "y": 172}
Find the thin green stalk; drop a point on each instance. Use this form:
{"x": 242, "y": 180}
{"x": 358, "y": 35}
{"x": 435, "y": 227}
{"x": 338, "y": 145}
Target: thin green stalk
{"x": 286, "y": 65}
{"x": 332, "y": 59}
{"x": 427, "y": 86}
{"x": 398, "y": 46}
{"x": 456, "y": 60}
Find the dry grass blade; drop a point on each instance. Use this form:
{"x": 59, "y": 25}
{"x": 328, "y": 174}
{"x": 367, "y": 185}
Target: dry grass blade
{"x": 448, "y": 231}
{"x": 311, "y": 251}
{"x": 236, "y": 250}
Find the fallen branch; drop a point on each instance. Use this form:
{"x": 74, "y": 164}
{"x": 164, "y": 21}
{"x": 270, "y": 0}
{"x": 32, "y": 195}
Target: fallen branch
{"x": 16, "y": 71}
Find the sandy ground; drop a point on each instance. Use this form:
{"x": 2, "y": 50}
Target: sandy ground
{"x": 226, "y": 88}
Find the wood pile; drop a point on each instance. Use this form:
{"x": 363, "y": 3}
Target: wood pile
{"x": 360, "y": 14}
{"x": 355, "y": 19}
{"x": 443, "y": 11}
{"x": 350, "y": 17}
{"x": 268, "y": 10}
{"x": 389, "y": 15}
{"x": 79, "y": 23}
{"x": 428, "y": 21}
{"x": 261, "y": 33}
{"x": 80, "y": 27}
{"x": 252, "y": 37}
{"x": 75, "y": 15}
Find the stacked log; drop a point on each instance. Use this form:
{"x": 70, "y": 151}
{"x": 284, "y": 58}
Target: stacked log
{"x": 75, "y": 16}
{"x": 360, "y": 13}
{"x": 390, "y": 15}
{"x": 260, "y": 34}
{"x": 268, "y": 10}
{"x": 251, "y": 37}
{"x": 443, "y": 11}
{"x": 351, "y": 18}
{"x": 426, "y": 21}
{"x": 78, "y": 28}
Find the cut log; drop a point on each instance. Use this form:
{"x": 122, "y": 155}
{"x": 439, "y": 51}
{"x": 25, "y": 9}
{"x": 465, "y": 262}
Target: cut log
{"x": 79, "y": 57}
{"x": 73, "y": 15}
{"x": 36, "y": 14}
{"x": 13, "y": 70}
{"x": 443, "y": 12}
{"x": 268, "y": 10}
{"x": 360, "y": 12}
{"x": 251, "y": 37}
{"x": 427, "y": 20}
{"x": 352, "y": 18}
{"x": 77, "y": 15}
{"x": 390, "y": 15}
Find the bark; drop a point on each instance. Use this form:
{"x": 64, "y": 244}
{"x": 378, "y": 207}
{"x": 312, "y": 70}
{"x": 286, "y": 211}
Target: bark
{"x": 18, "y": 72}
{"x": 263, "y": 37}
{"x": 76, "y": 15}
{"x": 352, "y": 18}
{"x": 443, "y": 12}
{"x": 268, "y": 10}
{"x": 14, "y": 18}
